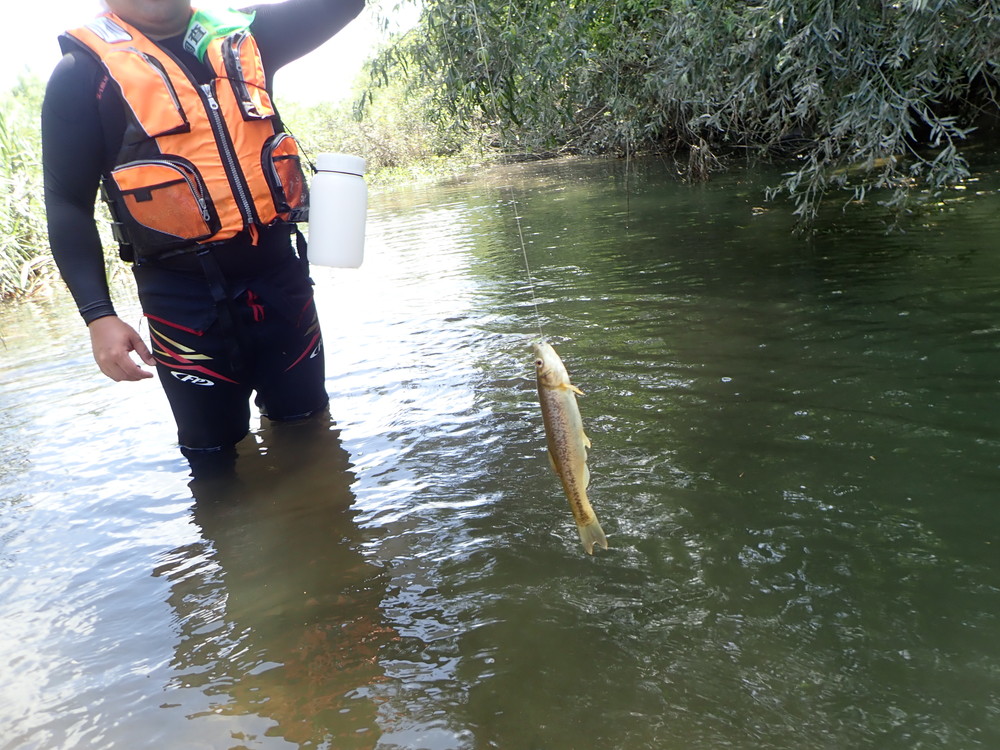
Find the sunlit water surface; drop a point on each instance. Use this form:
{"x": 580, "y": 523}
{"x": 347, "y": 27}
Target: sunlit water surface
{"x": 795, "y": 456}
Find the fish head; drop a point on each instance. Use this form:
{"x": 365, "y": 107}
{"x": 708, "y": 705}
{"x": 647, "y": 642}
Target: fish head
{"x": 549, "y": 368}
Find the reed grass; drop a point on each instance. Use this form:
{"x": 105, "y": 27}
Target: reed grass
{"x": 25, "y": 260}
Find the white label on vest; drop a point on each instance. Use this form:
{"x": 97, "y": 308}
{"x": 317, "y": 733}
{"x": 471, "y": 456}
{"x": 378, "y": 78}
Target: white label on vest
{"x": 108, "y": 30}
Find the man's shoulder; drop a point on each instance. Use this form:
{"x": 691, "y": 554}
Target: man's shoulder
{"x": 74, "y": 80}
{"x": 76, "y": 68}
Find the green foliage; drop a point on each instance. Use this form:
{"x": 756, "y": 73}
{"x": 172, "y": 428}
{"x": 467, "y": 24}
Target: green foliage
{"x": 393, "y": 128}
{"x": 866, "y": 95}
{"x": 24, "y": 258}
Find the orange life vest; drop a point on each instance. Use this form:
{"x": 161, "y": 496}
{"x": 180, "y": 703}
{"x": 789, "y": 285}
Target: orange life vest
{"x": 199, "y": 163}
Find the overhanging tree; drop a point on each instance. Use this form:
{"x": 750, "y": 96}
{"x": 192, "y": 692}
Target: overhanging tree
{"x": 864, "y": 94}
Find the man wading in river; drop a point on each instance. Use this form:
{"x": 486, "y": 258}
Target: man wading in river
{"x": 169, "y": 110}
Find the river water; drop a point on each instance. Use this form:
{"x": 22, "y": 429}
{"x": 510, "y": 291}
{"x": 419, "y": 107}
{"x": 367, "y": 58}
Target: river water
{"x": 795, "y": 456}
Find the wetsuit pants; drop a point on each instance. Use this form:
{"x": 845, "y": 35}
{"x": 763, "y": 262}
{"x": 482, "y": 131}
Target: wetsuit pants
{"x": 262, "y": 336}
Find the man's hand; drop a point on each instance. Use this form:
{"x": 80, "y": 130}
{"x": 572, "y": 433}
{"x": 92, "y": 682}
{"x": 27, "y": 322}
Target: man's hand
{"x": 112, "y": 339}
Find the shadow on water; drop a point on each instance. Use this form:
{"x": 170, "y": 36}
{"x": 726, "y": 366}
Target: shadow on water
{"x": 277, "y": 605}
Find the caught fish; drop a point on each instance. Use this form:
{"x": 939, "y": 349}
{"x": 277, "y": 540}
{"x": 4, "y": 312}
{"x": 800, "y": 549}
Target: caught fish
{"x": 566, "y": 440}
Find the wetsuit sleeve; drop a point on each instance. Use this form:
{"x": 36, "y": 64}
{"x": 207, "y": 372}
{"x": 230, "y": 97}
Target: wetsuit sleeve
{"x": 286, "y": 31}
{"x": 72, "y": 154}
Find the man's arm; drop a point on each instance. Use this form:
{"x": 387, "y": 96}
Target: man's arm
{"x": 72, "y": 153}
{"x": 287, "y": 31}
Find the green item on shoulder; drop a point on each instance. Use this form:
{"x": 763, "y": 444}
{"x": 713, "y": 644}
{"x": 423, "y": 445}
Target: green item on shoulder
{"x": 206, "y": 26}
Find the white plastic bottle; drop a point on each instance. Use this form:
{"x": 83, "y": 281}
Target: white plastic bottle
{"x": 338, "y": 204}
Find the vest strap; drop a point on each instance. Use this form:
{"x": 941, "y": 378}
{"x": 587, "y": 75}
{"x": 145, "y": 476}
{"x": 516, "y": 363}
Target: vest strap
{"x": 225, "y": 308}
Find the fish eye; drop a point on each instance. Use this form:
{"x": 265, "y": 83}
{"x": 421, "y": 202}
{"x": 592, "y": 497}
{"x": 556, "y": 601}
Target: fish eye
{"x": 538, "y": 363}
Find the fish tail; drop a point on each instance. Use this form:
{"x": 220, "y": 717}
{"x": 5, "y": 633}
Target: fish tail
{"x": 591, "y": 533}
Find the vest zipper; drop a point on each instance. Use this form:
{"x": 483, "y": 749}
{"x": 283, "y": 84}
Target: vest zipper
{"x": 229, "y": 160}
{"x": 234, "y": 66}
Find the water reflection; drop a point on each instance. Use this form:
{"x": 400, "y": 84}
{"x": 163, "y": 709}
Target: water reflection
{"x": 278, "y": 604}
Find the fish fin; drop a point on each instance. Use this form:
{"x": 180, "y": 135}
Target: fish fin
{"x": 591, "y": 534}
{"x": 586, "y": 441}
{"x": 586, "y": 476}
{"x": 575, "y": 390}
{"x": 552, "y": 461}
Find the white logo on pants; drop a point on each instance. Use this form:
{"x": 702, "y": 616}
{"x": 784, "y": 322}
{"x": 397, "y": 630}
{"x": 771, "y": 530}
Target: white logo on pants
{"x": 186, "y": 377}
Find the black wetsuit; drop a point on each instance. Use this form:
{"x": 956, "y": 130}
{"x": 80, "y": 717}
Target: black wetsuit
{"x": 210, "y": 356}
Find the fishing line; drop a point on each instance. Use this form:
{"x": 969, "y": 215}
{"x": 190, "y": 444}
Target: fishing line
{"x": 628, "y": 159}
{"x": 486, "y": 59}
{"x": 527, "y": 267}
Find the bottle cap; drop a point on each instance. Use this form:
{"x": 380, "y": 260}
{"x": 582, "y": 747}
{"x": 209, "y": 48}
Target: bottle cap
{"x": 346, "y": 163}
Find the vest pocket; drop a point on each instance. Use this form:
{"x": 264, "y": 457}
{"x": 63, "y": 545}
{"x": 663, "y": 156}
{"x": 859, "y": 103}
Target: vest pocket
{"x": 244, "y": 71}
{"x": 163, "y": 204}
{"x": 155, "y": 103}
{"x": 282, "y": 166}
